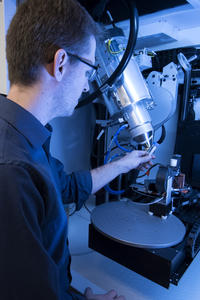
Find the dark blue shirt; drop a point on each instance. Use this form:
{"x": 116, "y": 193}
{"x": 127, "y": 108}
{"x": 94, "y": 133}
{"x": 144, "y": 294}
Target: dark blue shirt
{"x": 34, "y": 255}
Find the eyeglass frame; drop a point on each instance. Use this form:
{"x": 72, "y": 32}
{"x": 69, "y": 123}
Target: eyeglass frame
{"x": 83, "y": 60}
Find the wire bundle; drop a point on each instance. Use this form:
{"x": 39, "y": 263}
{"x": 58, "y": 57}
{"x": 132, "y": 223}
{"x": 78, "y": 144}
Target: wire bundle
{"x": 107, "y": 159}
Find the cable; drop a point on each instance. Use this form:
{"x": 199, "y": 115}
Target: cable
{"x": 163, "y": 135}
{"x": 144, "y": 194}
{"x": 125, "y": 59}
{"x": 113, "y": 52}
{"x": 148, "y": 203}
{"x": 128, "y": 145}
{"x": 113, "y": 140}
{"x": 113, "y": 192}
{"x": 120, "y": 146}
{"x": 84, "y": 204}
{"x": 107, "y": 187}
{"x": 114, "y": 156}
{"x": 116, "y": 140}
{"x": 111, "y": 19}
{"x": 117, "y": 143}
{"x": 146, "y": 173}
{"x": 105, "y": 153}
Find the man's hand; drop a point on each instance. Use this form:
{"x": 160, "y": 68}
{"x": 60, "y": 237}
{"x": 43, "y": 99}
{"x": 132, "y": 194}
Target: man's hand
{"x": 111, "y": 295}
{"x": 101, "y": 176}
{"x": 140, "y": 160}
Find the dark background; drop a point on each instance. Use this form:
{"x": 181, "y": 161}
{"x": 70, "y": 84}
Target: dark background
{"x": 118, "y": 9}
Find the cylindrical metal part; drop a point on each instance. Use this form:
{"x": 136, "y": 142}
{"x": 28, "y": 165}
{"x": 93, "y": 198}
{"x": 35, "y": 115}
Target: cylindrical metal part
{"x": 140, "y": 126}
{"x": 133, "y": 91}
{"x": 137, "y": 117}
{"x": 129, "y": 98}
{"x": 134, "y": 82}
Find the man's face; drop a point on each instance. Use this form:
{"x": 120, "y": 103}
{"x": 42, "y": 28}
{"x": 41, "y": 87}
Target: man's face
{"x": 76, "y": 81}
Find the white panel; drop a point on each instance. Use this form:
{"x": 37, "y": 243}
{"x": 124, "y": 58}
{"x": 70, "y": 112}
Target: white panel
{"x": 157, "y": 27}
{"x": 168, "y": 29}
{"x": 7, "y": 10}
{"x": 194, "y": 3}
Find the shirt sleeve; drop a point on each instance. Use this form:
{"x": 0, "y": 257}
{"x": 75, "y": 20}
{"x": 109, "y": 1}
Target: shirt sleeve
{"x": 27, "y": 271}
{"x": 75, "y": 187}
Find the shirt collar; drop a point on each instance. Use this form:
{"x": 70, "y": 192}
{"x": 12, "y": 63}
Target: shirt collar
{"x": 24, "y": 122}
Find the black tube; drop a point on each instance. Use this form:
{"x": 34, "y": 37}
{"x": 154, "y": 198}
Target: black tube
{"x": 125, "y": 59}
{"x": 163, "y": 135}
{"x": 186, "y": 93}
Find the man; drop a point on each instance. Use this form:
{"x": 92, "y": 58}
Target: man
{"x": 50, "y": 50}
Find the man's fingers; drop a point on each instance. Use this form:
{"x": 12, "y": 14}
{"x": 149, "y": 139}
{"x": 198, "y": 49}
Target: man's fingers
{"x": 147, "y": 165}
{"x": 142, "y": 153}
{"x": 141, "y": 168}
{"x": 145, "y": 159}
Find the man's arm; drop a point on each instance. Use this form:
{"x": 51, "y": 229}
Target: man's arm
{"x": 77, "y": 187}
{"x": 106, "y": 173}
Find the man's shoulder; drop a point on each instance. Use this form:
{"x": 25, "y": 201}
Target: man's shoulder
{"x": 13, "y": 145}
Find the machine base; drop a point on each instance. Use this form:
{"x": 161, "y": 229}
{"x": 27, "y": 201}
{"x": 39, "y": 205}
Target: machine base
{"x": 163, "y": 266}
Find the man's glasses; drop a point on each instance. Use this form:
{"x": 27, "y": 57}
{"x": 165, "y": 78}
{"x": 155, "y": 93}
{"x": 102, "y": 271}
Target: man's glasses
{"x": 90, "y": 74}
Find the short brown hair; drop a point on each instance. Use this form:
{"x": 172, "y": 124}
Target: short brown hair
{"x": 41, "y": 27}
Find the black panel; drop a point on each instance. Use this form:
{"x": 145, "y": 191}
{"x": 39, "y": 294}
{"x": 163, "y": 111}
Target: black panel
{"x": 163, "y": 266}
{"x": 196, "y": 170}
{"x": 119, "y": 11}
{"x": 144, "y": 7}
{"x": 188, "y": 145}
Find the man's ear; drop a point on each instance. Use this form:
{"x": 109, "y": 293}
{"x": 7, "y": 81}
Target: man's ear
{"x": 59, "y": 65}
